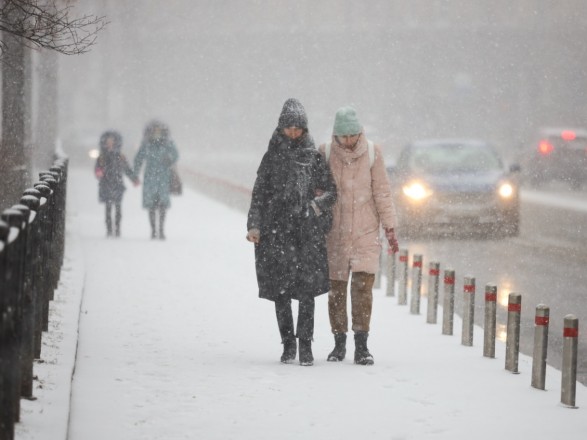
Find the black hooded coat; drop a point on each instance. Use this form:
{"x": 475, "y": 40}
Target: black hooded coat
{"x": 290, "y": 257}
{"x": 112, "y": 164}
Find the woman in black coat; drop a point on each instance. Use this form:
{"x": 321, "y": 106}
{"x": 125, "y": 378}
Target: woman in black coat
{"x": 110, "y": 166}
{"x": 288, "y": 220}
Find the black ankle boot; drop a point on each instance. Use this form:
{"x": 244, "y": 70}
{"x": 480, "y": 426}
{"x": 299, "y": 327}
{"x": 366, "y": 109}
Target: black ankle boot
{"x": 290, "y": 348}
{"x": 362, "y": 355}
{"x": 108, "y": 227}
{"x": 162, "y": 213}
{"x": 306, "y": 357}
{"x": 339, "y": 352}
{"x": 152, "y": 223}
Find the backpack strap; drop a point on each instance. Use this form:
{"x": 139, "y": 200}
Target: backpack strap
{"x": 370, "y": 150}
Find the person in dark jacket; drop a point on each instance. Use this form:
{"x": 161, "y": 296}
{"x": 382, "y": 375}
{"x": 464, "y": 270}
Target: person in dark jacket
{"x": 289, "y": 217}
{"x": 109, "y": 168}
{"x": 159, "y": 153}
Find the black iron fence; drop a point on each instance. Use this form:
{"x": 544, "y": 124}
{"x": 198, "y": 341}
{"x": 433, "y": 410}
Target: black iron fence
{"x": 32, "y": 238}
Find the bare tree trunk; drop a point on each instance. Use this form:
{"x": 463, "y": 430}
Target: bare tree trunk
{"x": 48, "y": 112}
{"x": 14, "y": 160}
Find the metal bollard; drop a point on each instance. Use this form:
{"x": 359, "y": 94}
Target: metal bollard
{"x": 402, "y": 297}
{"x": 416, "y": 285}
{"x": 540, "y": 346}
{"x": 569, "y": 372}
{"x": 377, "y": 281}
{"x": 468, "y": 311}
{"x": 489, "y": 325}
{"x": 448, "y": 308}
{"x": 433, "y": 281}
{"x": 390, "y": 272}
{"x": 512, "y": 346}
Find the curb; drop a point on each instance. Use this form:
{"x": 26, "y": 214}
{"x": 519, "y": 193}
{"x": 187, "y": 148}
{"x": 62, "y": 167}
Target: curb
{"x": 47, "y": 417}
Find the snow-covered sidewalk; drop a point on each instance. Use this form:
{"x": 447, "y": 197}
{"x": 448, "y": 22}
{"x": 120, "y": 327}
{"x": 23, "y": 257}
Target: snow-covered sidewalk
{"x": 173, "y": 343}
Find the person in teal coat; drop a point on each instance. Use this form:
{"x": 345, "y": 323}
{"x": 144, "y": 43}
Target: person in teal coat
{"x": 159, "y": 153}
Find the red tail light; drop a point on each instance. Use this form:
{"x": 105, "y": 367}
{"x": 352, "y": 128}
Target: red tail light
{"x": 568, "y": 135}
{"x": 545, "y": 147}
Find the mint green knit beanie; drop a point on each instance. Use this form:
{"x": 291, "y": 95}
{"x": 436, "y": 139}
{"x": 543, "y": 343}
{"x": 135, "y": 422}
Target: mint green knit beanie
{"x": 346, "y": 122}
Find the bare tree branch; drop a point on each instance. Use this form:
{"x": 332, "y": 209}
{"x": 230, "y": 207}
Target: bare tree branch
{"x": 47, "y": 24}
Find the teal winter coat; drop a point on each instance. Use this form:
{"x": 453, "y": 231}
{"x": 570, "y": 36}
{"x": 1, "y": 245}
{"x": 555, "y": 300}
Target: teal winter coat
{"x": 159, "y": 155}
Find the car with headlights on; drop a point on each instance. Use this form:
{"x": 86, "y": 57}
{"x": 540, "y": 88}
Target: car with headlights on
{"x": 455, "y": 184}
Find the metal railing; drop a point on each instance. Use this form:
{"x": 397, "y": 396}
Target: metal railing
{"x": 32, "y": 243}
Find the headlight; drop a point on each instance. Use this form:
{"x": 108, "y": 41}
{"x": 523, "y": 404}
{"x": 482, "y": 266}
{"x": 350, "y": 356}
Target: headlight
{"x": 94, "y": 153}
{"x": 506, "y": 190}
{"x": 416, "y": 191}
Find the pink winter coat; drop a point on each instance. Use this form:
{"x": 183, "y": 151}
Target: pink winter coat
{"x": 364, "y": 202}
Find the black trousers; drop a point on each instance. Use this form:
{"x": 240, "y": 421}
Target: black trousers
{"x": 117, "y": 215}
{"x": 305, "y": 327}
{"x": 153, "y": 217}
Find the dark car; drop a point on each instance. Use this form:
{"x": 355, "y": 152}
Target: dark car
{"x": 455, "y": 184}
{"x": 557, "y": 155}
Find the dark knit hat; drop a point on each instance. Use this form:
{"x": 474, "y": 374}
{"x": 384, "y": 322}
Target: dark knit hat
{"x": 293, "y": 114}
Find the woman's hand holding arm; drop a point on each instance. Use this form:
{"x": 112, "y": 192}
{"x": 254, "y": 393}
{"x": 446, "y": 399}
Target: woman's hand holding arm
{"x": 254, "y": 235}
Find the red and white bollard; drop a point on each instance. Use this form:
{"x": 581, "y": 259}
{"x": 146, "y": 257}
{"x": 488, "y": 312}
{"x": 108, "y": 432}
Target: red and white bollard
{"x": 416, "y": 285}
{"x": 390, "y": 272}
{"x": 468, "y": 311}
{"x": 402, "y": 297}
{"x": 569, "y": 372}
{"x": 377, "y": 281}
{"x": 489, "y": 325}
{"x": 433, "y": 282}
{"x": 541, "y": 321}
{"x": 512, "y": 345}
{"x": 448, "y": 304}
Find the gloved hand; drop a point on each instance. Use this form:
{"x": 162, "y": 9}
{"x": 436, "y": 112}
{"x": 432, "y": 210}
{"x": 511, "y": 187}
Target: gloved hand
{"x": 392, "y": 240}
{"x": 253, "y": 235}
{"x": 99, "y": 173}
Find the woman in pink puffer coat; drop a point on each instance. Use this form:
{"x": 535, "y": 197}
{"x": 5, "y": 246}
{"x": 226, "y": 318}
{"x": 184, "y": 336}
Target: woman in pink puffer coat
{"x": 364, "y": 204}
